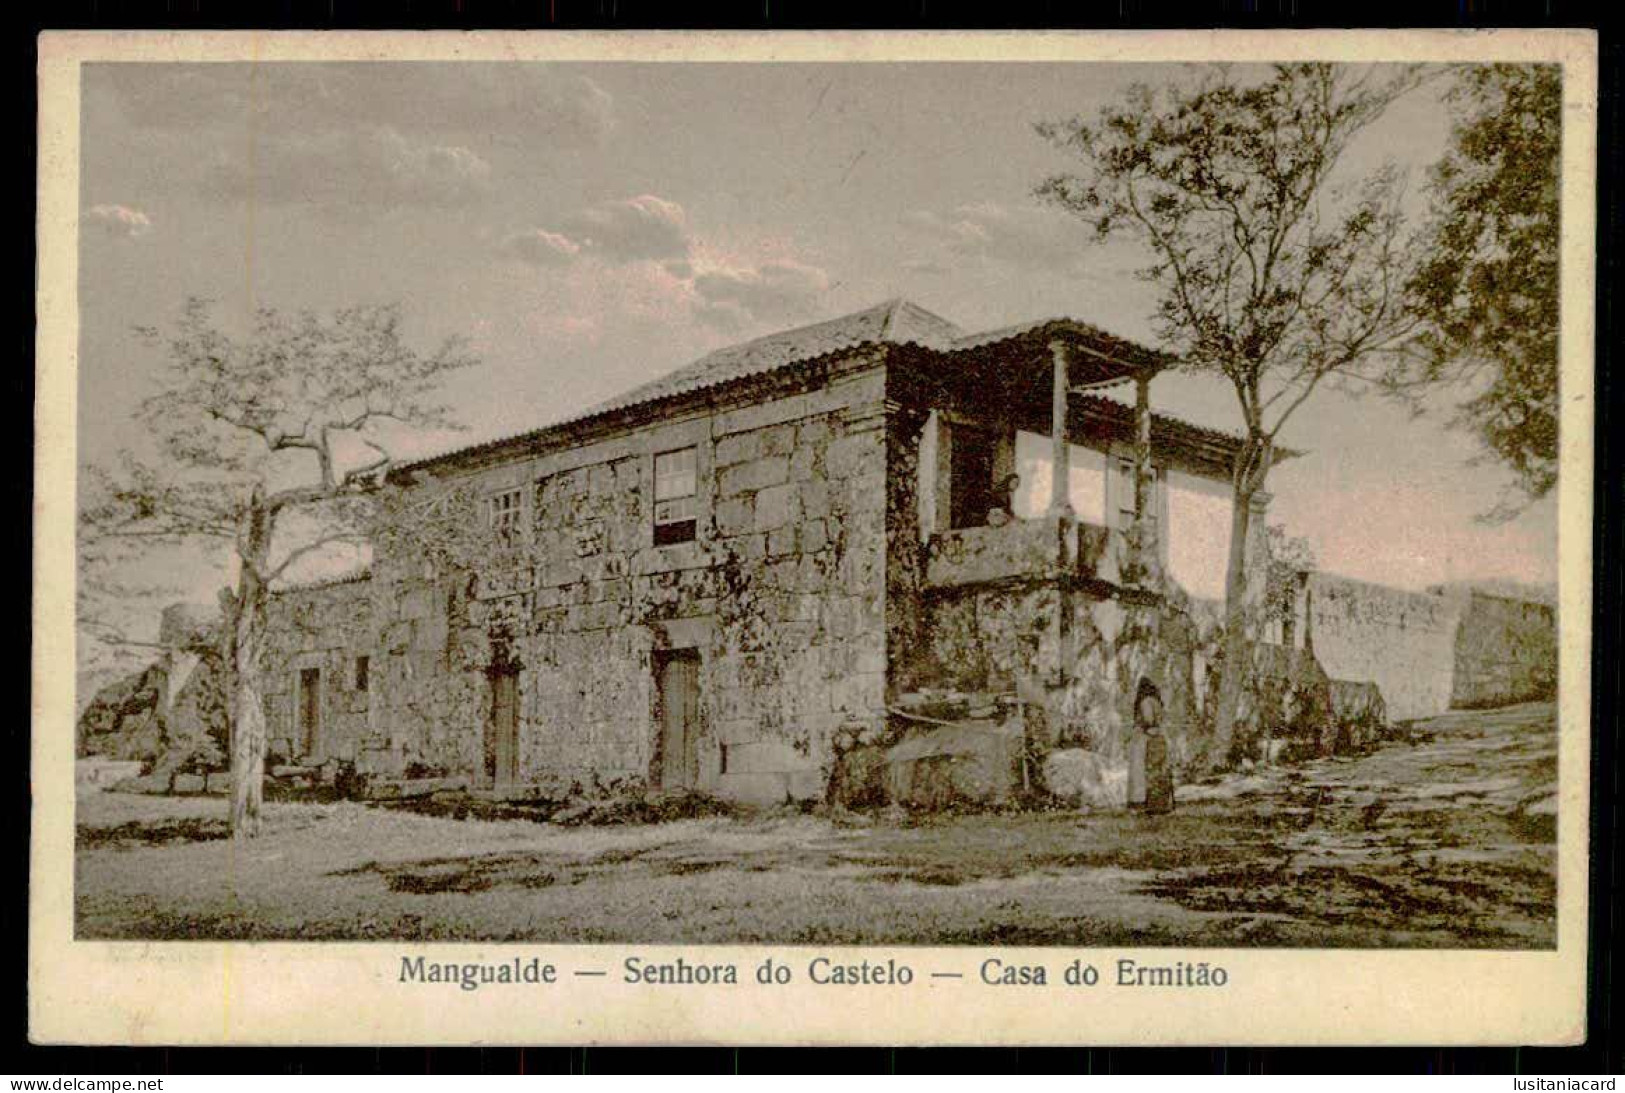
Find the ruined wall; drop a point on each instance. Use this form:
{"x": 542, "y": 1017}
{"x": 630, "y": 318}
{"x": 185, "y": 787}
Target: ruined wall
{"x": 1404, "y": 642}
{"x": 782, "y": 595}
{"x": 322, "y": 627}
{"x": 1505, "y": 651}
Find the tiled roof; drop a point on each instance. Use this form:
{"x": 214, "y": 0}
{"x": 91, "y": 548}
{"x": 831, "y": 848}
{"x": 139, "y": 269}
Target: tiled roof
{"x": 1214, "y": 447}
{"x": 895, "y": 322}
{"x": 1099, "y": 344}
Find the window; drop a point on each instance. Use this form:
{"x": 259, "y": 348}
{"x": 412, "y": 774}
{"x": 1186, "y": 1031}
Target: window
{"x": 362, "y": 667}
{"x": 676, "y": 483}
{"x": 1123, "y": 496}
{"x": 1123, "y": 492}
{"x": 503, "y": 512}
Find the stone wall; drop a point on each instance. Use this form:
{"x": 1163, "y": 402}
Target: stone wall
{"x": 322, "y": 627}
{"x": 1006, "y": 612}
{"x": 1401, "y": 641}
{"x": 1430, "y": 651}
{"x": 782, "y": 595}
{"x": 1505, "y": 651}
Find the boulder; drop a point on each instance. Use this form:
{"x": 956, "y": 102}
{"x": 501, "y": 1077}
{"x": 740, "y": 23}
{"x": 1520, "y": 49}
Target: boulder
{"x": 1085, "y": 778}
{"x": 155, "y": 783}
{"x": 97, "y": 772}
{"x": 973, "y": 762}
{"x": 170, "y": 714}
{"x": 1360, "y": 711}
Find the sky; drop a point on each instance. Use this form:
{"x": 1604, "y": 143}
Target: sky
{"x": 587, "y": 227}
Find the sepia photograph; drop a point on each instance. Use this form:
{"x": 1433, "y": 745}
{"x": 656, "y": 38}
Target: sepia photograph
{"x": 974, "y": 503}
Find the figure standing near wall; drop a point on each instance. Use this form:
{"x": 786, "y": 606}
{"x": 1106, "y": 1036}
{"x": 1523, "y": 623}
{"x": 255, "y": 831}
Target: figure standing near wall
{"x": 1150, "y": 775}
{"x": 1003, "y": 498}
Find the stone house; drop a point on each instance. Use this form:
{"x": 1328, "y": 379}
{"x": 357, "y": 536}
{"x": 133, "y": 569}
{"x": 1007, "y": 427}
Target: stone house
{"x": 725, "y": 578}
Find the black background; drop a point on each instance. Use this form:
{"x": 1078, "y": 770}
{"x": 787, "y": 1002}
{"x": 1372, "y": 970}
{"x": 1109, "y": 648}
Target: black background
{"x": 1603, "y": 1052}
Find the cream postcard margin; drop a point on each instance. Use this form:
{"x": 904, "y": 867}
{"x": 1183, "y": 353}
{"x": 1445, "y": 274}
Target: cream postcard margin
{"x": 344, "y": 993}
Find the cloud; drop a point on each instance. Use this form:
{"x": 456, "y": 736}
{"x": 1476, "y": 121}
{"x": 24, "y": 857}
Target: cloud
{"x": 776, "y": 291}
{"x": 1031, "y": 237}
{"x": 541, "y": 248}
{"x": 119, "y": 221}
{"x": 637, "y": 229}
{"x": 375, "y": 167}
{"x": 648, "y": 237}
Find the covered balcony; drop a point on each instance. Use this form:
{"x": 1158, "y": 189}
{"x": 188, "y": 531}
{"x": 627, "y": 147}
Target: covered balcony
{"x": 1039, "y": 383}
{"x": 1030, "y": 470}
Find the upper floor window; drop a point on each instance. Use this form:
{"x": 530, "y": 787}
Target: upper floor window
{"x": 676, "y": 486}
{"x": 503, "y": 512}
{"x": 1124, "y": 493}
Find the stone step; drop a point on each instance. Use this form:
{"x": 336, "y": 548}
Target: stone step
{"x": 394, "y": 789}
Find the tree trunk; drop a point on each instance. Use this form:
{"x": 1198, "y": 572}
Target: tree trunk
{"x": 248, "y": 703}
{"x": 1253, "y": 468}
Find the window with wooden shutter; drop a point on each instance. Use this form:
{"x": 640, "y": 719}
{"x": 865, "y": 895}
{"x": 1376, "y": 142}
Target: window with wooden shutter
{"x": 676, "y": 490}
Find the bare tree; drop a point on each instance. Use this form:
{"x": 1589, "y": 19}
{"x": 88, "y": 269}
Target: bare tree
{"x": 297, "y": 416}
{"x": 1277, "y": 266}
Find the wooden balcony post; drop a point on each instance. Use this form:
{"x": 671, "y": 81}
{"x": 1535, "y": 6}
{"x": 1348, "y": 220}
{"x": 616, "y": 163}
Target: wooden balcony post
{"x": 1145, "y": 551}
{"x": 1060, "y": 465}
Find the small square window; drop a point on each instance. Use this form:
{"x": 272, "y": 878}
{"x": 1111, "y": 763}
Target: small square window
{"x": 676, "y": 486}
{"x": 363, "y": 667}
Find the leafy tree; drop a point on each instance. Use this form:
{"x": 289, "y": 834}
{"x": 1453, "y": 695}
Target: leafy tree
{"x": 269, "y": 446}
{"x": 1488, "y": 288}
{"x": 1277, "y": 264}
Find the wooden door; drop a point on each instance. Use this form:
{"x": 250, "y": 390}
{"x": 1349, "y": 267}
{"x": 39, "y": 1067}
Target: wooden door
{"x": 679, "y": 720}
{"x": 310, "y": 710}
{"x": 503, "y": 752}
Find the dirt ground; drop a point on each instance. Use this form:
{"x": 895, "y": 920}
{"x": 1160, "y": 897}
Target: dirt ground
{"x": 1445, "y": 838}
